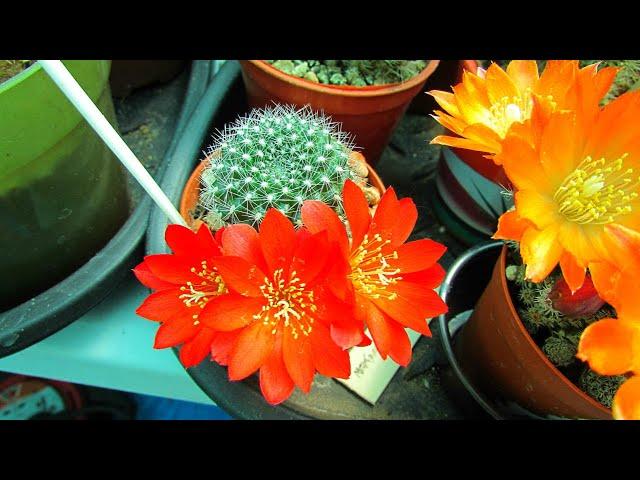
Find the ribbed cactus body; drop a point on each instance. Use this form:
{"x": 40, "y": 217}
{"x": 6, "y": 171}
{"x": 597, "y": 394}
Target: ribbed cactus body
{"x": 274, "y": 157}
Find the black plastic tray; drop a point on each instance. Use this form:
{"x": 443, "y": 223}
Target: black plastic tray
{"x": 63, "y": 303}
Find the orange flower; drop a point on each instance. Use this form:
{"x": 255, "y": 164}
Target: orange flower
{"x": 612, "y": 347}
{"x": 390, "y": 282}
{"x": 482, "y": 109}
{"x": 576, "y": 186}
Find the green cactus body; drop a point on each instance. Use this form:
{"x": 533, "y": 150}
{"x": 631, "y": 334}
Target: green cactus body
{"x": 274, "y": 157}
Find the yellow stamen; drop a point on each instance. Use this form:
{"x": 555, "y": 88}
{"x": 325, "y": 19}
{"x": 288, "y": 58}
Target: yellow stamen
{"x": 370, "y": 269}
{"x": 507, "y": 110}
{"x": 199, "y": 294}
{"x": 598, "y": 191}
{"x": 288, "y": 304}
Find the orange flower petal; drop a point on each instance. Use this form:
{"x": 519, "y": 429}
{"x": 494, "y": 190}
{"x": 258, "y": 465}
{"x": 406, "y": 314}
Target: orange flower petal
{"x": 417, "y": 255}
{"x": 572, "y": 271}
{"x": 298, "y": 359}
{"x": 499, "y": 84}
{"x": 251, "y": 350}
{"x": 356, "y": 208}
{"x": 608, "y": 346}
{"x": 222, "y": 344}
{"x": 275, "y": 383}
{"x": 523, "y": 73}
{"x": 328, "y": 358}
{"x": 318, "y": 216}
{"x": 230, "y": 312}
{"x": 241, "y": 240}
{"x": 483, "y": 135}
{"x": 447, "y": 101}
{"x": 430, "y": 277}
{"x": 240, "y": 275}
{"x": 458, "y": 142}
{"x": 196, "y": 349}
{"x": 164, "y": 306}
{"x": 626, "y": 403}
{"x": 511, "y": 226}
{"x": 412, "y": 306}
{"x": 148, "y": 279}
{"x": 561, "y": 147}
{"x": 540, "y": 252}
{"x": 536, "y": 207}
{"x": 522, "y": 165}
{"x": 175, "y": 332}
{"x": 388, "y": 336}
{"x": 277, "y": 240}
{"x": 455, "y": 125}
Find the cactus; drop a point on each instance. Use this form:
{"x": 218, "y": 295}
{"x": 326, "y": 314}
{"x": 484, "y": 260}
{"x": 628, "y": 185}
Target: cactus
{"x": 600, "y": 387}
{"x": 276, "y": 157}
{"x": 357, "y": 73}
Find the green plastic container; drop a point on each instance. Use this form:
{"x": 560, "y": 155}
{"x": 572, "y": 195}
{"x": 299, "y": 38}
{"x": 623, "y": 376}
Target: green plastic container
{"x": 63, "y": 194}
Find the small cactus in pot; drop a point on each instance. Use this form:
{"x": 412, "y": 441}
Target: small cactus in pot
{"x": 277, "y": 157}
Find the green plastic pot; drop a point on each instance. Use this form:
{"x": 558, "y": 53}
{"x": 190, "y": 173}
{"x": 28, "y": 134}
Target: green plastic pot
{"x": 62, "y": 193}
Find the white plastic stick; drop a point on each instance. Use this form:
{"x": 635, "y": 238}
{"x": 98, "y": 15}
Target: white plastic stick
{"x": 77, "y": 96}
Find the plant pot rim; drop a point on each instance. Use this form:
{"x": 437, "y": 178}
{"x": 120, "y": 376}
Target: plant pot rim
{"x": 521, "y": 328}
{"x": 193, "y": 184}
{"x": 20, "y": 77}
{"x": 347, "y": 91}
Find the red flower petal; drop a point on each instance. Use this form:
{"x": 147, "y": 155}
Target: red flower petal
{"x": 239, "y": 275}
{"x": 164, "y": 306}
{"x": 357, "y": 209}
{"x": 181, "y": 240}
{"x": 311, "y": 258}
{"x": 222, "y": 344}
{"x": 277, "y": 240}
{"x": 207, "y": 246}
{"x": 430, "y": 277}
{"x": 413, "y": 306}
{"x": 346, "y": 329}
{"x": 389, "y": 336}
{"x": 408, "y": 213}
{"x": 251, "y": 350}
{"x": 196, "y": 349}
{"x": 148, "y": 279}
{"x": 417, "y": 255}
{"x": 241, "y": 240}
{"x": 297, "y": 358}
{"x": 318, "y": 216}
{"x": 386, "y": 216}
{"x": 328, "y": 358}
{"x": 275, "y": 383}
{"x": 175, "y": 332}
{"x": 231, "y": 311}
{"x": 173, "y": 268}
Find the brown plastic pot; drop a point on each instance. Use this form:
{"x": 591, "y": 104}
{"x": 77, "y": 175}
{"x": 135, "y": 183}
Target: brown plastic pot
{"x": 476, "y": 160}
{"x": 191, "y": 191}
{"x": 369, "y": 113}
{"x": 500, "y": 357}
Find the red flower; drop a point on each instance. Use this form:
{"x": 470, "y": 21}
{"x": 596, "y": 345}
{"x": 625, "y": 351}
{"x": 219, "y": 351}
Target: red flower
{"x": 278, "y": 313}
{"x": 583, "y": 302}
{"x": 185, "y": 282}
{"x": 390, "y": 282}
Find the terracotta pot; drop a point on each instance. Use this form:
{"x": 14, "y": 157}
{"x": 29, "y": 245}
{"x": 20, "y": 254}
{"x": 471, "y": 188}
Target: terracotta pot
{"x": 500, "y": 357}
{"x": 191, "y": 191}
{"x": 369, "y": 113}
{"x": 476, "y": 160}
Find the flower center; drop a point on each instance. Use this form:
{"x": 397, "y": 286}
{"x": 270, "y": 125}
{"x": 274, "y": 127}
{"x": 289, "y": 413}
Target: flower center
{"x": 200, "y": 293}
{"x": 597, "y": 191}
{"x": 508, "y": 110}
{"x": 370, "y": 269}
{"x": 289, "y": 303}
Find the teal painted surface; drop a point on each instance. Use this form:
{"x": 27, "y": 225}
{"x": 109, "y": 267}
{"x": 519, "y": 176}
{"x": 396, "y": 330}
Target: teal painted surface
{"x": 110, "y": 347}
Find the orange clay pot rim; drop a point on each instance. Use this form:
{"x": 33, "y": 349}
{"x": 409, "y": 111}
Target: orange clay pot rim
{"x": 349, "y": 91}
{"x": 539, "y": 352}
{"x": 194, "y": 182}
